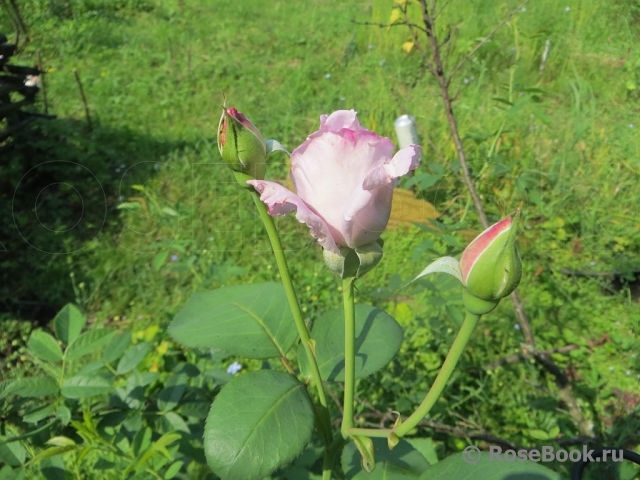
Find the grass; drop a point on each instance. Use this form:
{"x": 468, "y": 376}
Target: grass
{"x": 161, "y": 218}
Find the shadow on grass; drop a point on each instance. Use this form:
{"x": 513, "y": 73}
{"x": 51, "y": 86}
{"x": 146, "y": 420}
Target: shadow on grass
{"x": 60, "y": 185}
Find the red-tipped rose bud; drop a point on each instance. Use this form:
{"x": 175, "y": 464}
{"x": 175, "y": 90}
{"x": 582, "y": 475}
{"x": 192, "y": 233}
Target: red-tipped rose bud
{"x": 490, "y": 266}
{"x": 241, "y": 144}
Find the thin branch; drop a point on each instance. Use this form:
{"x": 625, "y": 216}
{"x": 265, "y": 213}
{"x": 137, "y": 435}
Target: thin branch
{"x": 443, "y": 82}
{"x": 519, "y": 357}
{"x": 528, "y": 352}
{"x": 437, "y": 11}
{"x": 84, "y": 99}
{"x": 388, "y": 25}
{"x": 418, "y": 45}
{"x": 525, "y": 326}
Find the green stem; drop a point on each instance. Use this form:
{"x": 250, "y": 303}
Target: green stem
{"x": 442, "y": 378}
{"x": 349, "y": 353}
{"x": 369, "y": 432}
{"x": 322, "y": 413}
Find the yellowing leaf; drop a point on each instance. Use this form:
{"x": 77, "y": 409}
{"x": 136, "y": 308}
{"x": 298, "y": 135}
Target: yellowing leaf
{"x": 147, "y": 334}
{"x": 163, "y": 347}
{"x": 407, "y": 46}
{"x": 406, "y": 209}
{"x": 395, "y": 16}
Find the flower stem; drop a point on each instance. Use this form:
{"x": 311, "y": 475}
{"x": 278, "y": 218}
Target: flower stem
{"x": 369, "y": 432}
{"x": 349, "y": 353}
{"x": 322, "y": 413}
{"x": 442, "y": 378}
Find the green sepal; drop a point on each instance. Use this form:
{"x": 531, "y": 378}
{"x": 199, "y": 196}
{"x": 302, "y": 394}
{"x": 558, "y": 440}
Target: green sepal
{"x": 477, "y": 306}
{"x": 354, "y": 263}
{"x": 367, "y": 455}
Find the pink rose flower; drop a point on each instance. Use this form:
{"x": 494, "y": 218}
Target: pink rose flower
{"x": 344, "y": 177}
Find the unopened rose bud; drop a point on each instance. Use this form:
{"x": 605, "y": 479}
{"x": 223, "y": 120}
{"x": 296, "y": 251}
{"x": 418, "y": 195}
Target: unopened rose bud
{"x": 241, "y": 144}
{"x": 490, "y": 267}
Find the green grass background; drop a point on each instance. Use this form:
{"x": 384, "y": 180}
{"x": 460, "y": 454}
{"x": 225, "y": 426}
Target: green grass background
{"x": 160, "y": 217}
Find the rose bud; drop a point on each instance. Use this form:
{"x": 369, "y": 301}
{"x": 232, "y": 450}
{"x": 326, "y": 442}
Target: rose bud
{"x": 490, "y": 266}
{"x": 241, "y": 144}
{"x": 344, "y": 177}
{"x": 489, "y": 269}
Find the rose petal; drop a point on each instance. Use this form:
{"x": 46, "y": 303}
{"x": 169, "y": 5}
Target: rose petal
{"x": 328, "y": 171}
{"x": 282, "y": 201}
{"x": 367, "y": 215}
{"x": 402, "y": 163}
{"x": 339, "y": 120}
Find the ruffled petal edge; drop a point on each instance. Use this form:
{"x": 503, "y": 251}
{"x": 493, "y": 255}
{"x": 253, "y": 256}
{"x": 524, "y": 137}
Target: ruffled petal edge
{"x": 281, "y": 201}
{"x": 404, "y": 161}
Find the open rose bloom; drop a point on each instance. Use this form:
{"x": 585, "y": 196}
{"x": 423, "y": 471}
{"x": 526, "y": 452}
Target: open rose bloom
{"x": 344, "y": 177}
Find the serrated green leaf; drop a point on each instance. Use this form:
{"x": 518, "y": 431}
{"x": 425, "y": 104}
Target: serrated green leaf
{"x": 170, "y": 395}
{"x": 402, "y": 463}
{"x": 12, "y": 453}
{"x": 173, "y": 422}
{"x": 173, "y": 470}
{"x": 159, "y": 446}
{"x": 141, "y": 379}
{"x": 116, "y": 347}
{"x": 486, "y": 468}
{"x": 250, "y": 439}
{"x": 31, "y": 387}
{"x": 90, "y": 368}
{"x": 10, "y": 473}
{"x": 82, "y": 386}
{"x": 132, "y": 357}
{"x": 427, "y": 448}
{"x": 378, "y": 338}
{"x": 63, "y": 414}
{"x": 251, "y": 321}
{"x": 166, "y": 440}
{"x": 43, "y": 346}
{"x": 35, "y": 416}
{"x": 142, "y": 441}
{"x": 89, "y": 342}
{"x": 159, "y": 259}
{"x": 68, "y": 323}
{"x": 51, "y": 370}
{"x": 52, "y": 452}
